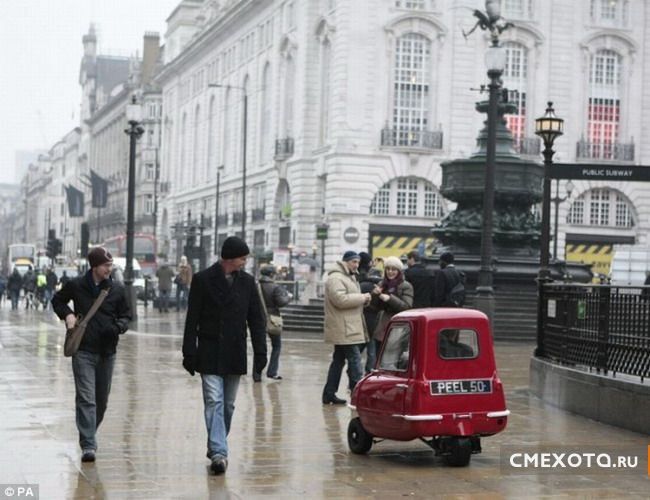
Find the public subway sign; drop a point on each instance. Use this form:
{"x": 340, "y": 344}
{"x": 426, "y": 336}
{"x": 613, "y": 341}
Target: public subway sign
{"x": 600, "y": 172}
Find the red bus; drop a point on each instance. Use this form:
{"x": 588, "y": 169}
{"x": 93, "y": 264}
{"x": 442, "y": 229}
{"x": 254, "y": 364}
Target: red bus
{"x": 144, "y": 250}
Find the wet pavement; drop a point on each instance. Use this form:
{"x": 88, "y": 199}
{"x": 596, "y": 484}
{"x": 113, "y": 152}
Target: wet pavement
{"x": 284, "y": 443}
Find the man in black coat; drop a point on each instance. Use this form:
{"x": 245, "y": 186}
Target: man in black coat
{"x": 92, "y": 364}
{"x": 223, "y": 301}
{"x": 422, "y": 280}
{"x": 445, "y": 280}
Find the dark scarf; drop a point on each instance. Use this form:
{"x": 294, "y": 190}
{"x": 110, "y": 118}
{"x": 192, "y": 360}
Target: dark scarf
{"x": 390, "y": 286}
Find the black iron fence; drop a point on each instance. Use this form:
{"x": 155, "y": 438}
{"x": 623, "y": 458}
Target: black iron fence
{"x": 601, "y": 327}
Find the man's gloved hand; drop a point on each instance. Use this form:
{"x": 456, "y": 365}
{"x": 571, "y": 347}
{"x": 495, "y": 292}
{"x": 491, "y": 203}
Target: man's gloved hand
{"x": 189, "y": 363}
{"x": 259, "y": 362}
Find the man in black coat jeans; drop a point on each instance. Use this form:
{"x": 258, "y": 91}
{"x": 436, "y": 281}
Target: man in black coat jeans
{"x": 92, "y": 365}
{"x": 223, "y": 301}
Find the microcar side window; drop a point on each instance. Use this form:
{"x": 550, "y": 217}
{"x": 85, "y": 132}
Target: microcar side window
{"x": 458, "y": 344}
{"x": 395, "y": 356}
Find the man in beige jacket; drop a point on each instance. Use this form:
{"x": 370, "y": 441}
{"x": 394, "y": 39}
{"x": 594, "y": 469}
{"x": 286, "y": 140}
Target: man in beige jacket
{"x": 344, "y": 324}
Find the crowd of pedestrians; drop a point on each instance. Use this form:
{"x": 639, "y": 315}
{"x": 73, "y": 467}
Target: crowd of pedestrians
{"x": 35, "y": 288}
{"x": 225, "y": 306}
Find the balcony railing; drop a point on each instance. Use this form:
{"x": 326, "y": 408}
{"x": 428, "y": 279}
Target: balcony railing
{"x": 258, "y": 214}
{"x": 528, "y": 146}
{"x": 421, "y": 139}
{"x": 236, "y": 217}
{"x": 612, "y": 151}
{"x": 283, "y": 148}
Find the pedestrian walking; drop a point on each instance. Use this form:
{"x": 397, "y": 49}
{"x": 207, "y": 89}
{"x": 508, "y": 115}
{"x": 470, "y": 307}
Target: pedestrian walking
{"x": 223, "y": 302}
{"x": 183, "y": 281}
{"x": 368, "y": 278}
{"x": 29, "y": 288}
{"x": 344, "y": 324}
{"x": 64, "y": 279}
{"x": 421, "y": 278}
{"x": 3, "y": 287}
{"x": 446, "y": 280}
{"x": 275, "y": 297}
{"x": 92, "y": 364}
{"x": 51, "y": 280}
{"x": 15, "y": 285}
{"x": 165, "y": 275}
{"x": 392, "y": 295}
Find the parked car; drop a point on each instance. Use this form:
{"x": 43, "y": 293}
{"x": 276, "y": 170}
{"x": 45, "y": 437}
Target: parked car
{"x": 436, "y": 380}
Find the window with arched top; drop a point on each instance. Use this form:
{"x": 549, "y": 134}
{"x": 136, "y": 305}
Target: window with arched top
{"x": 408, "y": 197}
{"x": 211, "y": 164}
{"x": 602, "y": 207}
{"x": 197, "y": 166}
{"x": 265, "y": 111}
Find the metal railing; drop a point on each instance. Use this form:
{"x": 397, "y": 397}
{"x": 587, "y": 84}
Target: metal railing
{"x": 422, "y": 139}
{"x": 601, "y": 327}
{"x": 614, "y": 151}
{"x": 283, "y": 148}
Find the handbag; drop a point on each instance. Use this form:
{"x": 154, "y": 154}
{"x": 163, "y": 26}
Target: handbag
{"x": 273, "y": 321}
{"x": 73, "y": 336}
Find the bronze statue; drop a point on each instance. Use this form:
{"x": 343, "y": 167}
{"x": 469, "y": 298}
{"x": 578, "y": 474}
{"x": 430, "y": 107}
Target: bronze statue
{"x": 490, "y": 20}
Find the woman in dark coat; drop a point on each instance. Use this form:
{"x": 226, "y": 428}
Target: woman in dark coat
{"x": 391, "y": 296}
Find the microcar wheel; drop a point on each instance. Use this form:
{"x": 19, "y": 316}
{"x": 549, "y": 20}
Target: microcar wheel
{"x": 359, "y": 440}
{"x": 460, "y": 452}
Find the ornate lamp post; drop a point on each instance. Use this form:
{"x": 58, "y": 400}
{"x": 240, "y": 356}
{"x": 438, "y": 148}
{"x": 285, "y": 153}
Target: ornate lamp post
{"x": 495, "y": 60}
{"x": 549, "y": 127}
{"x": 135, "y": 130}
{"x": 244, "y": 138}
{"x": 556, "y": 201}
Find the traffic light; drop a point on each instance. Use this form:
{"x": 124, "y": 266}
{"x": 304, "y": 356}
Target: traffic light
{"x": 58, "y": 247}
{"x": 51, "y": 244}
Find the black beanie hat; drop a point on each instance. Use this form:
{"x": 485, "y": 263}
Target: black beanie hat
{"x": 98, "y": 256}
{"x": 233, "y": 248}
{"x": 350, "y": 255}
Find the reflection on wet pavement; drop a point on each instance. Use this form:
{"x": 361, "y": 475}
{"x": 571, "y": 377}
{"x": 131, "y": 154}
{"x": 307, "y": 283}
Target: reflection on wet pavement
{"x": 284, "y": 443}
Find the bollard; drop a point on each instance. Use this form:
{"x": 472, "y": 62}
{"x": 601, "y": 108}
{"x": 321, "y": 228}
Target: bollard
{"x": 146, "y": 290}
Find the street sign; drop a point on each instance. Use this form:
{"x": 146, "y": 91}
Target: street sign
{"x": 351, "y": 235}
{"x": 321, "y": 231}
{"x": 600, "y": 172}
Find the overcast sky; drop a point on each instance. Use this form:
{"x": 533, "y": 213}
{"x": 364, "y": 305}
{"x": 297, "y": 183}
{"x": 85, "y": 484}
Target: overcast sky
{"x": 40, "y": 53}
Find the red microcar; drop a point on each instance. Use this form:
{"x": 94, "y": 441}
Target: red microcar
{"x": 435, "y": 380}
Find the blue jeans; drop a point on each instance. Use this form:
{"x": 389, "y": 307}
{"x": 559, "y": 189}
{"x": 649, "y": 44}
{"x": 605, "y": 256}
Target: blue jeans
{"x": 219, "y": 393}
{"x": 351, "y": 353}
{"x": 274, "y": 361}
{"x": 47, "y": 297}
{"x": 15, "y": 297}
{"x": 92, "y": 379}
{"x": 181, "y": 297}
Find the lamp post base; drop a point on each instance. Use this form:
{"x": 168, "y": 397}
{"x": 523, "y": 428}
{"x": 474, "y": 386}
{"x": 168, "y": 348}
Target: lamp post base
{"x": 132, "y": 300}
{"x": 485, "y": 301}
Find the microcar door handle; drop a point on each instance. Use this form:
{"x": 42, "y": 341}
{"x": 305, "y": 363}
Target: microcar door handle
{"x": 401, "y": 386}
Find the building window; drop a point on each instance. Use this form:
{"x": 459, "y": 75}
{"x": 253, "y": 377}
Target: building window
{"x": 604, "y": 104}
{"x": 148, "y": 204}
{"x": 290, "y": 15}
{"x": 407, "y": 196}
{"x": 515, "y": 80}
{"x": 517, "y": 9}
{"x": 432, "y": 206}
{"x": 324, "y": 91}
{"x": 609, "y": 12}
{"x": 150, "y": 171}
{"x": 412, "y": 73}
{"x": 380, "y": 203}
{"x": 290, "y": 75}
{"x": 606, "y": 208}
{"x": 265, "y": 128}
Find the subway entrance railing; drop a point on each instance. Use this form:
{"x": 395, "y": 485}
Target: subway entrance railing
{"x": 605, "y": 328}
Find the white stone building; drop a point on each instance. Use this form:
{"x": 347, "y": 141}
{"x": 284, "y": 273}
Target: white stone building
{"x": 352, "y": 106}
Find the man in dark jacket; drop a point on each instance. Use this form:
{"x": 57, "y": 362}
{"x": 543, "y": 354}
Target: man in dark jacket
{"x": 15, "y": 285}
{"x": 92, "y": 364}
{"x": 445, "y": 280}
{"x": 421, "y": 278}
{"x": 275, "y": 297}
{"x": 223, "y": 301}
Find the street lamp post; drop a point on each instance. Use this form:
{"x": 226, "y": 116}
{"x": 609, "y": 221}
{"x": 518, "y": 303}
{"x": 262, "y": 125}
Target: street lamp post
{"x": 495, "y": 62}
{"x": 549, "y": 127}
{"x": 244, "y": 139}
{"x": 556, "y": 201}
{"x": 135, "y": 130}
{"x": 216, "y": 211}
